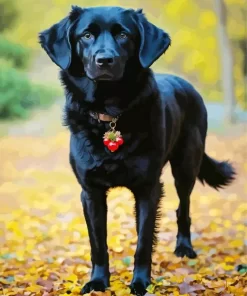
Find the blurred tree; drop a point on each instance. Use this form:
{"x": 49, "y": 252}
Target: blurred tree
{"x": 8, "y": 14}
{"x": 237, "y": 28}
{"x": 243, "y": 46}
{"x": 227, "y": 61}
{"x": 17, "y": 54}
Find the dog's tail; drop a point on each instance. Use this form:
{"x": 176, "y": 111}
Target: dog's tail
{"x": 216, "y": 174}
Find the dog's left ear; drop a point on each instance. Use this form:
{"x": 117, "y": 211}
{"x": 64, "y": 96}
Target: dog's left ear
{"x": 154, "y": 41}
{"x": 56, "y": 40}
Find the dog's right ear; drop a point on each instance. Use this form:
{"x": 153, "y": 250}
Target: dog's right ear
{"x": 56, "y": 40}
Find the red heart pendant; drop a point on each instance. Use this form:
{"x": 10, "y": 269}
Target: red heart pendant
{"x": 112, "y": 140}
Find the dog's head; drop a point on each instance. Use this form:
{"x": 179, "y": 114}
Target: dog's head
{"x": 99, "y": 41}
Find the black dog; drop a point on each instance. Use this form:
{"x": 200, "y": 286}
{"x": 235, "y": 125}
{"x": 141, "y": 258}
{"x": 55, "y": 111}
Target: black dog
{"x": 105, "y": 54}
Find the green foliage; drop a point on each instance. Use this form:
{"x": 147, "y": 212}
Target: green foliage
{"x": 9, "y": 14}
{"x": 16, "y": 54}
{"x": 18, "y": 95}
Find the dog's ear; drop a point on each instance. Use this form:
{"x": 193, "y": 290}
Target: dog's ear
{"x": 56, "y": 40}
{"x": 153, "y": 41}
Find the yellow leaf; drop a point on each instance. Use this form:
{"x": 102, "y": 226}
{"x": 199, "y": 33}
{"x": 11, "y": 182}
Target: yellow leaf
{"x": 68, "y": 285}
{"x": 118, "y": 249}
{"x": 3, "y": 281}
{"x": 236, "y": 243}
{"x": 82, "y": 269}
{"x": 34, "y": 288}
{"x": 151, "y": 289}
{"x": 76, "y": 290}
{"x": 177, "y": 279}
{"x": 122, "y": 292}
{"x": 72, "y": 278}
{"x": 227, "y": 267}
{"x": 229, "y": 259}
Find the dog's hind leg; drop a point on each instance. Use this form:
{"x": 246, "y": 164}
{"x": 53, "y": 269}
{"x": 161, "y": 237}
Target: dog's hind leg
{"x": 185, "y": 163}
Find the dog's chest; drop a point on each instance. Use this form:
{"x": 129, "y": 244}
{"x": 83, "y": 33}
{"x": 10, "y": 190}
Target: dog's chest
{"x": 126, "y": 172}
{"x": 96, "y": 166}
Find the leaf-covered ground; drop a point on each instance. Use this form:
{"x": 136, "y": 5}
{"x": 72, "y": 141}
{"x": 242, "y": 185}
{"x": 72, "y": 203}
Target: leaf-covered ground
{"x": 44, "y": 247}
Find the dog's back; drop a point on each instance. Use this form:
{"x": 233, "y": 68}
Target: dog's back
{"x": 183, "y": 108}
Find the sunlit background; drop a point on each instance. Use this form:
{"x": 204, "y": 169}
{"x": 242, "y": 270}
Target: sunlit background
{"x": 44, "y": 248}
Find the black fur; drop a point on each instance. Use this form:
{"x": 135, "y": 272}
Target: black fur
{"x": 162, "y": 118}
{"x": 216, "y": 174}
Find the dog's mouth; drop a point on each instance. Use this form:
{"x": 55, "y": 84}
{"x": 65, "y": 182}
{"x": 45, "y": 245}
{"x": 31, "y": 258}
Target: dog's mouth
{"x": 105, "y": 76}
{"x": 100, "y": 75}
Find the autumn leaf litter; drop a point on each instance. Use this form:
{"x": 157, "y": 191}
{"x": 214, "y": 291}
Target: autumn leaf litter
{"x": 44, "y": 247}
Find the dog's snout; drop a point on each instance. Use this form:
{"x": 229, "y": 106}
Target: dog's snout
{"x": 104, "y": 61}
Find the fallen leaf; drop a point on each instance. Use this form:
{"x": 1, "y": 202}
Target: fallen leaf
{"x": 48, "y": 285}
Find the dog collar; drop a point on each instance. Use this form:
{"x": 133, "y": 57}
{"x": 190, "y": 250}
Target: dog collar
{"x": 112, "y": 139}
{"x": 102, "y": 116}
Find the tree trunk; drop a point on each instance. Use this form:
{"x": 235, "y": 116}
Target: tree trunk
{"x": 226, "y": 62}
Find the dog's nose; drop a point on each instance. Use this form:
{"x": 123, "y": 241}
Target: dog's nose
{"x": 104, "y": 61}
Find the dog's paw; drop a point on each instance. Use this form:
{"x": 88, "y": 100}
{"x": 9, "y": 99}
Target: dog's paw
{"x": 183, "y": 250}
{"x": 95, "y": 285}
{"x": 138, "y": 288}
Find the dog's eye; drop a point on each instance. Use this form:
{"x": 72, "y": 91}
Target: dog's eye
{"x": 87, "y": 35}
{"x": 123, "y": 35}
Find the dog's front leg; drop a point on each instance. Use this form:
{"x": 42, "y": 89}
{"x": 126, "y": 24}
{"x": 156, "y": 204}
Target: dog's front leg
{"x": 95, "y": 211}
{"x": 147, "y": 200}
